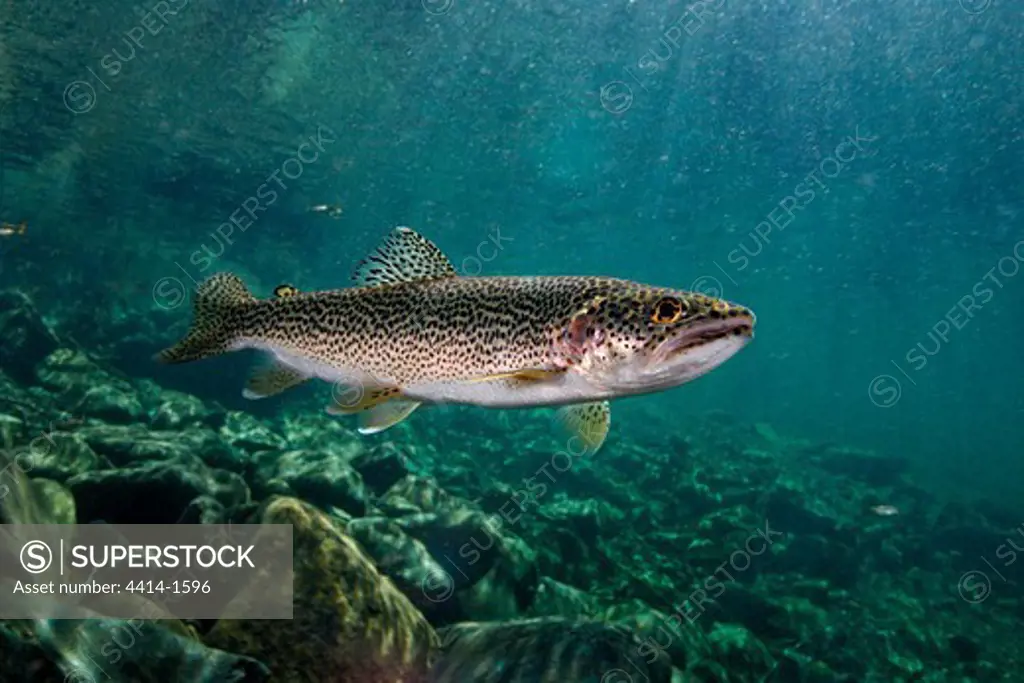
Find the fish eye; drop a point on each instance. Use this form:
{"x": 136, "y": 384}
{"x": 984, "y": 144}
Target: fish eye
{"x": 667, "y": 311}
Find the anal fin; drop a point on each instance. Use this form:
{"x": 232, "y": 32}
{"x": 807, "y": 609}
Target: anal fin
{"x": 378, "y": 408}
{"x": 589, "y": 422}
{"x": 386, "y": 415}
{"x": 270, "y": 378}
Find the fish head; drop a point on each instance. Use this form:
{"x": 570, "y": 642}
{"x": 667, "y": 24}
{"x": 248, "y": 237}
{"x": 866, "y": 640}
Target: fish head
{"x": 636, "y": 339}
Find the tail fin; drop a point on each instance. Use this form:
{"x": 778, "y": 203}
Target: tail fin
{"x": 218, "y": 320}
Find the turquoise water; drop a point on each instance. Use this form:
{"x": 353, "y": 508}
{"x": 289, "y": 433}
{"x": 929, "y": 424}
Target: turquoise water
{"x": 848, "y": 170}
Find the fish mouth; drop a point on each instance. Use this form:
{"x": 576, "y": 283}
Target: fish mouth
{"x": 704, "y": 333}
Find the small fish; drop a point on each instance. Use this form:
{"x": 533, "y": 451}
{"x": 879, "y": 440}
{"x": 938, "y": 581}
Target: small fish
{"x": 8, "y": 229}
{"x": 884, "y": 510}
{"x": 332, "y": 210}
{"x": 414, "y": 332}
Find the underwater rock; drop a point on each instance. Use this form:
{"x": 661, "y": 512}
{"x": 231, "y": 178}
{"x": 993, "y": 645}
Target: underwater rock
{"x": 128, "y": 445}
{"x": 88, "y": 389}
{"x": 66, "y": 371}
{"x": 739, "y": 652}
{"x": 58, "y": 501}
{"x": 556, "y": 599}
{"x": 15, "y": 403}
{"x": 422, "y": 492}
{"x": 110, "y": 403}
{"x": 565, "y": 557}
{"x": 658, "y": 632}
{"x": 726, "y": 525}
{"x": 23, "y": 659}
{"x": 315, "y": 477}
{"x": 244, "y": 431}
{"x": 547, "y": 649}
{"x": 350, "y": 622}
{"x": 204, "y": 510}
{"x": 264, "y": 489}
{"x": 768, "y": 433}
{"x": 27, "y": 340}
{"x": 816, "y": 556}
{"x": 60, "y": 455}
{"x": 39, "y": 501}
{"x": 153, "y": 492}
{"x": 410, "y": 566}
{"x": 396, "y": 507}
{"x": 790, "y": 510}
{"x": 740, "y": 604}
{"x": 589, "y": 519}
{"x": 460, "y": 539}
{"x": 382, "y": 466}
{"x": 972, "y": 541}
{"x": 509, "y": 588}
{"x": 493, "y": 574}
{"x": 137, "y": 651}
{"x": 24, "y": 500}
{"x": 965, "y": 649}
{"x": 316, "y": 431}
{"x": 818, "y": 591}
{"x": 169, "y": 409}
{"x": 865, "y": 466}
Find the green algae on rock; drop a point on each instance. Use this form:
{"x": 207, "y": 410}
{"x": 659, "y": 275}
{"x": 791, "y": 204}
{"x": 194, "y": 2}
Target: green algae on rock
{"x": 350, "y": 622}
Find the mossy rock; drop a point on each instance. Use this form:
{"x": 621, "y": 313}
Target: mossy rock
{"x": 350, "y": 623}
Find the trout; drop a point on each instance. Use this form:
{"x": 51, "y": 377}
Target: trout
{"x": 412, "y": 332}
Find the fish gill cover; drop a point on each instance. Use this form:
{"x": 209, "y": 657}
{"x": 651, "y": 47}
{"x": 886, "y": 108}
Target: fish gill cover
{"x": 335, "y": 184}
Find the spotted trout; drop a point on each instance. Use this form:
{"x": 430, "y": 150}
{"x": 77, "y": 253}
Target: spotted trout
{"x": 412, "y": 331}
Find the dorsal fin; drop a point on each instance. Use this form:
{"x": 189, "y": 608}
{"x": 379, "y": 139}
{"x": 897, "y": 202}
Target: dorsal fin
{"x": 403, "y": 256}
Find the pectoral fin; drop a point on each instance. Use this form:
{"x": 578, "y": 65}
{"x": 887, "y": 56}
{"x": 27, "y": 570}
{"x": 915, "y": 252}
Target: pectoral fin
{"x": 385, "y": 415}
{"x": 587, "y": 421}
{"x": 271, "y": 377}
{"x": 525, "y": 375}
